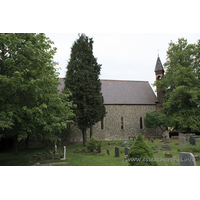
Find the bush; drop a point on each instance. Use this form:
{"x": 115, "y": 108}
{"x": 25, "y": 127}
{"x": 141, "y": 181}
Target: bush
{"x": 140, "y": 154}
{"x": 195, "y": 149}
{"x": 94, "y": 143}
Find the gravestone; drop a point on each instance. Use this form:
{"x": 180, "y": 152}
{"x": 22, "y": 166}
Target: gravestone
{"x": 192, "y": 141}
{"x": 168, "y": 155}
{"x": 197, "y": 158}
{"x": 64, "y": 151}
{"x": 181, "y": 135}
{"x": 175, "y": 137}
{"x": 187, "y": 137}
{"x": 183, "y": 140}
{"x": 108, "y": 152}
{"x": 152, "y": 140}
{"x": 187, "y": 159}
{"x": 117, "y": 152}
{"x": 56, "y": 153}
{"x": 126, "y": 150}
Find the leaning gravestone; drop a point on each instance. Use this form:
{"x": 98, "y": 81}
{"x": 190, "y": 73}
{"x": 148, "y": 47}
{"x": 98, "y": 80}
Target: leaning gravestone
{"x": 117, "y": 152}
{"x": 192, "y": 141}
{"x": 187, "y": 159}
{"x": 126, "y": 150}
{"x": 183, "y": 140}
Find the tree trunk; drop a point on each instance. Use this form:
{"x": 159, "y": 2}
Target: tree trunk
{"x": 84, "y": 137}
{"x": 26, "y": 142}
{"x": 15, "y": 144}
{"x": 91, "y": 133}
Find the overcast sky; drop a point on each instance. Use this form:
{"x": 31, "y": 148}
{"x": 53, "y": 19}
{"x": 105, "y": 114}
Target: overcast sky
{"x": 124, "y": 56}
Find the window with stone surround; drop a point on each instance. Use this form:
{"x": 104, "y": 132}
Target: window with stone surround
{"x": 141, "y": 123}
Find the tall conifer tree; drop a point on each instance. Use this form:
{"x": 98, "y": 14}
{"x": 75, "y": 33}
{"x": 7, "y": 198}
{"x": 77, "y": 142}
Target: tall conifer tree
{"x": 82, "y": 79}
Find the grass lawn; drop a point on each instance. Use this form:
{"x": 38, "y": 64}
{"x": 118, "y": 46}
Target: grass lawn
{"x": 7, "y": 158}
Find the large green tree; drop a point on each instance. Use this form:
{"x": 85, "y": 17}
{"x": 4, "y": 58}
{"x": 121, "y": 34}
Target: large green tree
{"x": 154, "y": 119}
{"x": 29, "y": 100}
{"x": 181, "y": 85}
{"x": 82, "y": 79}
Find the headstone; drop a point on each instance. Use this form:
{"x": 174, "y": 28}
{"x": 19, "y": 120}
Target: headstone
{"x": 187, "y": 137}
{"x": 126, "y": 150}
{"x": 168, "y": 155}
{"x": 55, "y": 148}
{"x": 197, "y": 139}
{"x": 183, "y": 140}
{"x": 152, "y": 140}
{"x": 187, "y": 159}
{"x": 192, "y": 141}
{"x": 64, "y": 151}
{"x": 175, "y": 137}
{"x": 108, "y": 152}
{"x": 56, "y": 153}
{"x": 181, "y": 135}
{"x": 197, "y": 157}
{"x": 117, "y": 152}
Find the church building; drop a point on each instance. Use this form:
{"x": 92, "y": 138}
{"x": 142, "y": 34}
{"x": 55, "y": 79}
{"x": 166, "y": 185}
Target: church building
{"x": 126, "y": 103}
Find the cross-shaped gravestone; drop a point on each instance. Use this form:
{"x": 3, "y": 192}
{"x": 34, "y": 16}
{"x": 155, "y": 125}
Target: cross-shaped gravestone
{"x": 187, "y": 159}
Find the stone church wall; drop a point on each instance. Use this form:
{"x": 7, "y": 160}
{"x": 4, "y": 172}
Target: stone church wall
{"x": 132, "y": 115}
